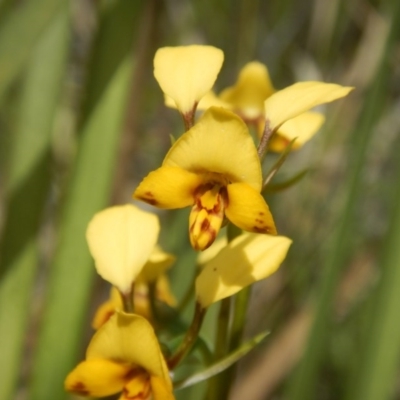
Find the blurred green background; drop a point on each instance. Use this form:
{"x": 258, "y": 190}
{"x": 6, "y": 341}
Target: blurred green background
{"x": 82, "y": 120}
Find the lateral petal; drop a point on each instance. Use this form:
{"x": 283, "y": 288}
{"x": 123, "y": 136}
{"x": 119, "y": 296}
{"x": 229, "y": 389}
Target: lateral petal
{"x": 298, "y": 98}
{"x": 168, "y": 187}
{"x": 303, "y": 128}
{"x": 97, "y": 377}
{"x": 121, "y": 240}
{"x": 248, "y": 210}
{"x": 247, "y": 259}
{"x": 187, "y": 73}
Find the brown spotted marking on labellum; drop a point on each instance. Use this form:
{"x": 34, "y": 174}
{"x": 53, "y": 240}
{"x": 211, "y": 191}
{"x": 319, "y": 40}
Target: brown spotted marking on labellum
{"x": 207, "y": 215}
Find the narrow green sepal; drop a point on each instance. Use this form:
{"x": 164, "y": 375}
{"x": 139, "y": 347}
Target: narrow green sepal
{"x": 222, "y": 364}
{"x": 275, "y": 168}
{"x": 278, "y": 187}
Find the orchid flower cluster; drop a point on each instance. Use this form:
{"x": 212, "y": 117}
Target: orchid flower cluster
{"x": 214, "y": 167}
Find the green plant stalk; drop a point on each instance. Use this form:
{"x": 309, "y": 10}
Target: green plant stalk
{"x": 241, "y": 303}
{"x": 304, "y": 381}
{"x": 239, "y": 317}
{"x": 72, "y": 270}
{"x": 190, "y": 337}
{"x": 225, "y": 379}
{"x": 27, "y": 189}
{"x": 217, "y": 385}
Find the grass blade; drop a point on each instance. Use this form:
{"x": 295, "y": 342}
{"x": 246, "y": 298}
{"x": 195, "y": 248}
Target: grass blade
{"x": 72, "y": 269}
{"x": 28, "y": 182}
{"x": 305, "y": 379}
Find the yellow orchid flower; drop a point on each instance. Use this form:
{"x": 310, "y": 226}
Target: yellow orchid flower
{"x": 123, "y": 356}
{"x": 187, "y": 73}
{"x": 215, "y": 168}
{"x": 121, "y": 240}
{"x": 249, "y": 99}
{"x": 245, "y": 260}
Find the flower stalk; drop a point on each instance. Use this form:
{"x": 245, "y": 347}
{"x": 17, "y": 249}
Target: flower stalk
{"x": 190, "y": 337}
{"x": 264, "y": 141}
{"x": 127, "y": 300}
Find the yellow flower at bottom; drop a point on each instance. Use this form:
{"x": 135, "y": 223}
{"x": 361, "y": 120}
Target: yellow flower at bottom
{"x": 123, "y": 356}
{"x": 214, "y": 167}
{"x": 245, "y": 260}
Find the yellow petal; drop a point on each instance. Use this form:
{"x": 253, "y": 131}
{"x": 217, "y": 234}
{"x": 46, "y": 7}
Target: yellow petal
{"x": 164, "y": 292}
{"x": 303, "y": 128}
{"x": 97, "y": 377}
{"x": 187, "y": 73}
{"x": 212, "y": 251}
{"x": 248, "y": 210}
{"x": 158, "y": 263}
{"x": 298, "y": 98}
{"x": 210, "y": 99}
{"x": 130, "y": 339}
{"x": 142, "y": 301}
{"x": 247, "y": 259}
{"x": 218, "y": 143}
{"x": 121, "y": 240}
{"x": 252, "y": 88}
{"x": 168, "y": 187}
{"x": 107, "y": 309}
{"x": 160, "y": 389}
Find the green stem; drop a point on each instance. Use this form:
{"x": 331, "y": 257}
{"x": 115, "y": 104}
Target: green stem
{"x": 190, "y": 338}
{"x": 223, "y": 328}
{"x": 239, "y": 317}
{"x": 188, "y": 295}
{"x": 219, "y": 387}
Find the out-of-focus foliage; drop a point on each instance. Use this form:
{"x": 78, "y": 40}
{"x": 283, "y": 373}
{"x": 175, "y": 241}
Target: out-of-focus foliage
{"x": 82, "y": 121}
